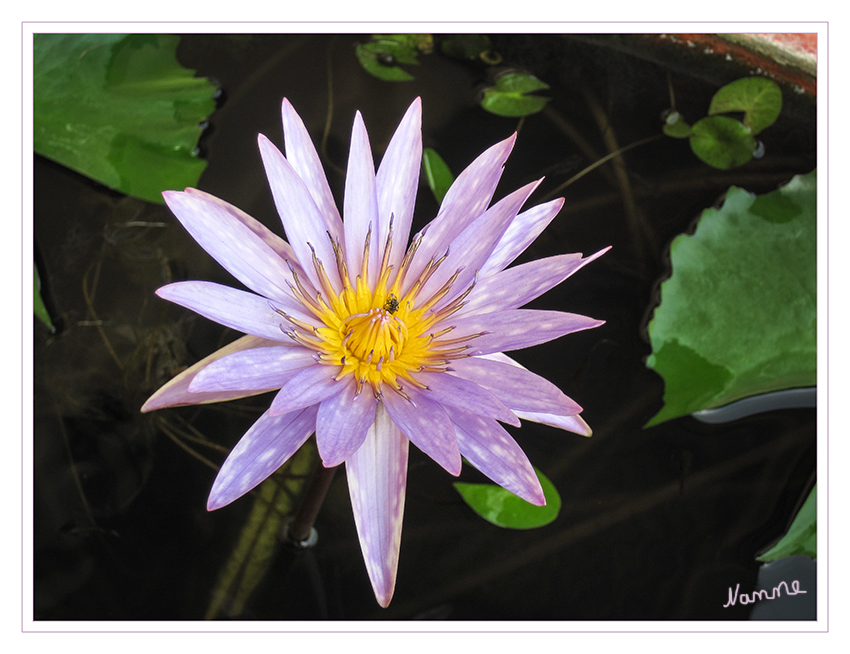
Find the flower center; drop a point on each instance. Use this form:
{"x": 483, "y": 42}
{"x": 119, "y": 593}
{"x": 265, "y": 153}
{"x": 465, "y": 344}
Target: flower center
{"x": 373, "y": 331}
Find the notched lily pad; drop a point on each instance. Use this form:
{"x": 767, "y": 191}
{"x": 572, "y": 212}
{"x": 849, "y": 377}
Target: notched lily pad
{"x": 722, "y": 142}
{"x": 120, "y": 109}
{"x": 380, "y": 56}
{"x": 802, "y": 535}
{"x": 675, "y": 126}
{"x": 504, "y": 509}
{"x": 760, "y": 99}
{"x": 738, "y": 315}
{"x": 509, "y": 95}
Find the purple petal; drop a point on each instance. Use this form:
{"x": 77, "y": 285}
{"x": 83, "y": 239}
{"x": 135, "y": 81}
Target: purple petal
{"x": 466, "y": 199}
{"x": 514, "y": 287}
{"x": 176, "y": 392}
{"x": 377, "y": 476}
{"x": 263, "y": 449}
{"x": 361, "y": 204}
{"x": 301, "y": 153}
{"x": 448, "y": 390}
{"x": 488, "y": 447}
{"x": 575, "y": 424}
{"x": 239, "y": 310}
{"x": 518, "y": 388}
{"x": 342, "y": 423}
{"x": 240, "y": 248}
{"x": 308, "y": 387}
{"x": 398, "y": 179}
{"x": 304, "y": 224}
{"x": 474, "y": 244}
{"x": 426, "y": 424}
{"x": 526, "y": 227}
{"x": 517, "y": 329}
{"x": 269, "y": 367}
{"x": 548, "y": 416}
{"x": 275, "y": 242}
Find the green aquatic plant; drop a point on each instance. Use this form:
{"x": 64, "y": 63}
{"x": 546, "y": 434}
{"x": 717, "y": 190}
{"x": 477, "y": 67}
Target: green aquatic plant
{"x": 725, "y": 142}
{"x": 120, "y": 109}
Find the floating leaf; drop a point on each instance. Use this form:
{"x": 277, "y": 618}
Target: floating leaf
{"x": 439, "y": 176}
{"x": 119, "y": 109}
{"x": 504, "y": 509}
{"x": 760, "y": 99}
{"x": 722, "y": 142}
{"x": 675, "y": 126}
{"x": 380, "y": 56}
{"x": 260, "y": 535}
{"x": 508, "y": 96}
{"x": 802, "y": 535}
{"x": 38, "y": 307}
{"x": 738, "y": 315}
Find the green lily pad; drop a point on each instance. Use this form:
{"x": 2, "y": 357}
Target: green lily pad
{"x": 760, "y": 99}
{"x": 504, "y": 509}
{"x": 738, "y": 315}
{"x": 380, "y": 56}
{"x": 722, "y": 142}
{"x": 675, "y": 126}
{"x": 38, "y": 307}
{"x": 120, "y": 109}
{"x": 437, "y": 173}
{"x": 802, "y": 535}
{"x": 508, "y": 96}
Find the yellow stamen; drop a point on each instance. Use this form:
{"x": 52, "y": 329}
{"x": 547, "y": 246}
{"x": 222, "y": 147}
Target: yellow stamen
{"x": 377, "y": 333}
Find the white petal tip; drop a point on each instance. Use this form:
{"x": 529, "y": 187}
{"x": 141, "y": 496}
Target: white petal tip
{"x": 384, "y": 597}
{"x": 264, "y": 141}
{"x": 219, "y": 497}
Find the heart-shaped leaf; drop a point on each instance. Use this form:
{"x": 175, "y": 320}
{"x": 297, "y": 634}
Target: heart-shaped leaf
{"x": 722, "y": 142}
{"x": 760, "y": 99}
{"x": 508, "y": 96}
{"x": 380, "y": 56}
{"x": 675, "y": 126}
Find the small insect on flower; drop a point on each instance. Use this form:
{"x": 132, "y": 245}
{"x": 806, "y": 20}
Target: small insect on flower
{"x": 391, "y": 304}
{"x": 419, "y": 323}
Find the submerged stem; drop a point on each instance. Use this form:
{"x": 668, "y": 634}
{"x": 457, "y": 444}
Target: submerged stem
{"x": 298, "y": 531}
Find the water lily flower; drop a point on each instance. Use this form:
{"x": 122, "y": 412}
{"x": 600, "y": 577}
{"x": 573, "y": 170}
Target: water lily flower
{"x": 373, "y": 345}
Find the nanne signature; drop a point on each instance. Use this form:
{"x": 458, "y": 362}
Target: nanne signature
{"x": 757, "y": 595}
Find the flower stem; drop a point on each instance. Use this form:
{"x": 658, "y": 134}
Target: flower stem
{"x": 298, "y": 531}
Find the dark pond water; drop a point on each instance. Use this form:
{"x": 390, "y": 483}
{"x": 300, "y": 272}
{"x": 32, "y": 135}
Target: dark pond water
{"x": 656, "y": 523}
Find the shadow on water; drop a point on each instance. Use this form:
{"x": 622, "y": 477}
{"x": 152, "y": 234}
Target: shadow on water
{"x": 656, "y": 524}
